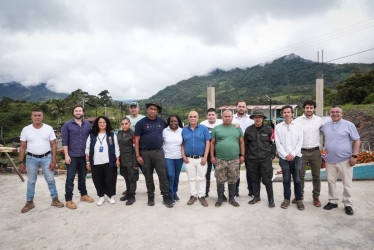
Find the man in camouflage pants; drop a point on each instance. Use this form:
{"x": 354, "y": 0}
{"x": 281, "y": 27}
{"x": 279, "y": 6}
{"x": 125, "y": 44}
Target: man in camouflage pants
{"x": 228, "y": 144}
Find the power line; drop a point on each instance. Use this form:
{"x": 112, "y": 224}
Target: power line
{"x": 360, "y": 52}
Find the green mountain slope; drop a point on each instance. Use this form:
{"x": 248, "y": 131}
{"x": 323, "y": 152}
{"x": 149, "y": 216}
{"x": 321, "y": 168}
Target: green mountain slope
{"x": 289, "y": 78}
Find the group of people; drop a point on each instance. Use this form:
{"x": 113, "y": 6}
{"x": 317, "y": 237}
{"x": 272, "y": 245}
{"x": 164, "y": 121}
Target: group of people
{"x": 150, "y": 143}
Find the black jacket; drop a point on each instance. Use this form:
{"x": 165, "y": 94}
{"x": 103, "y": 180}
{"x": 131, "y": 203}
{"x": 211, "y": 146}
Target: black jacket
{"x": 259, "y": 144}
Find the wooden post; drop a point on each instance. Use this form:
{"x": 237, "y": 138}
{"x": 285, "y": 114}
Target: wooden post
{"x": 6, "y": 150}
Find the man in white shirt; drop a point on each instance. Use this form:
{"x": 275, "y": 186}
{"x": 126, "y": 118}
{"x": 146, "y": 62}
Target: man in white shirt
{"x": 134, "y": 114}
{"x": 310, "y": 125}
{"x": 289, "y": 140}
{"x": 39, "y": 140}
{"x": 210, "y": 123}
{"x": 242, "y": 119}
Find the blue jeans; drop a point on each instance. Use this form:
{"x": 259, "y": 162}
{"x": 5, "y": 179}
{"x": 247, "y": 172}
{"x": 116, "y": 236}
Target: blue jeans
{"x": 77, "y": 163}
{"x": 173, "y": 168}
{"x": 32, "y": 165}
{"x": 294, "y": 168}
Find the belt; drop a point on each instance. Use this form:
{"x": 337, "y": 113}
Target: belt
{"x": 152, "y": 150}
{"x": 310, "y": 149}
{"x": 39, "y": 156}
{"x": 195, "y": 156}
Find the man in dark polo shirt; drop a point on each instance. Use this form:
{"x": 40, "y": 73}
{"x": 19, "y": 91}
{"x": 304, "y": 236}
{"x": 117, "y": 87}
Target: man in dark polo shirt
{"x": 74, "y": 135}
{"x": 149, "y": 153}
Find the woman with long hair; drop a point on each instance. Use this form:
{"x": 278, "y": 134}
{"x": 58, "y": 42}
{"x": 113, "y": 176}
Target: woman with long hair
{"x": 129, "y": 168}
{"x": 102, "y": 155}
{"x": 172, "y": 146}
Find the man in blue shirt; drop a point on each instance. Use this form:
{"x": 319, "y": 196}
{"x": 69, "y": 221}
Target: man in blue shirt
{"x": 74, "y": 135}
{"x": 341, "y": 156}
{"x": 195, "y": 149}
{"x": 149, "y": 153}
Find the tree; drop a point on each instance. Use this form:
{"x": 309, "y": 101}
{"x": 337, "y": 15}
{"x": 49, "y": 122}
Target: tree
{"x": 105, "y": 99}
{"x": 357, "y": 87}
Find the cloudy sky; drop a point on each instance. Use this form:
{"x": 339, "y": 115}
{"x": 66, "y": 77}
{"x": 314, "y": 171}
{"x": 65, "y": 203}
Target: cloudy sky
{"x": 136, "y": 48}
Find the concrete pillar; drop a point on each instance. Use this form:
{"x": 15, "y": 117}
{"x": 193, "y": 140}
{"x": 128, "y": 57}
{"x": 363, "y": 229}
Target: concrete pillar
{"x": 211, "y": 97}
{"x": 319, "y": 97}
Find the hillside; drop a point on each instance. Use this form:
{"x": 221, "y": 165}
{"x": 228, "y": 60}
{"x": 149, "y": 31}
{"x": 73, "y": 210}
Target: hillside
{"x": 17, "y": 91}
{"x": 289, "y": 78}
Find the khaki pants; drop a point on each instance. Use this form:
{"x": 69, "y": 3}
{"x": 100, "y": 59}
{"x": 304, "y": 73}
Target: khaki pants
{"x": 346, "y": 173}
{"x": 315, "y": 161}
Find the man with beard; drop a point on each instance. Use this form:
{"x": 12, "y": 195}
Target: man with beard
{"x": 74, "y": 134}
{"x": 310, "y": 125}
{"x": 242, "y": 119}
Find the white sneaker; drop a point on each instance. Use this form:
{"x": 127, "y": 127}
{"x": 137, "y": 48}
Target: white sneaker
{"x": 111, "y": 200}
{"x": 101, "y": 201}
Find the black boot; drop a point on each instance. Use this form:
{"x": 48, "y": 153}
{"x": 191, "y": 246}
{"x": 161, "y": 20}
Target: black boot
{"x": 167, "y": 201}
{"x": 126, "y": 196}
{"x": 232, "y": 195}
{"x": 130, "y": 201}
{"x": 151, "y": 199}
{"x": 220, "y": 188}
{"x": 269, "y": 190}
{"x": 256, "y": 193}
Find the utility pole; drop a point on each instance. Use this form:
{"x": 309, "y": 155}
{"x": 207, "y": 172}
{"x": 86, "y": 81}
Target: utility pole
{"x": 319, "y": 88}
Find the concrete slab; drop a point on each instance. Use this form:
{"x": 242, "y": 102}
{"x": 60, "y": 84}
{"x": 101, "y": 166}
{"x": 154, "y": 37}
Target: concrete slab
{"x": 183, "y": 227}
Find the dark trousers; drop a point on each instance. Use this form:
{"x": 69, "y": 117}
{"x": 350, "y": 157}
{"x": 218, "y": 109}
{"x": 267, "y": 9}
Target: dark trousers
{"x": 104, "y": 179}
{"x": 291, "y": 168}
{"x": 131, "y": 176}
{"x": 260, "y": 171}
{"x": 77, "y": 164}
{"x": 154, "y": 159}
{"x": 315, "y": 161}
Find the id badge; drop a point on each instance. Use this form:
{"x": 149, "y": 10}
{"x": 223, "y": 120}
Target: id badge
{"x": 101, "y": 149}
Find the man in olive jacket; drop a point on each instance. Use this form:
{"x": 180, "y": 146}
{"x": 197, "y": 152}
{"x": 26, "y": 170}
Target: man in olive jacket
{"x": 259, "y": 153}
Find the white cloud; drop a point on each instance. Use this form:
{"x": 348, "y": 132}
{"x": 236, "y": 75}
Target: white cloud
{"x": 134, "y": 49}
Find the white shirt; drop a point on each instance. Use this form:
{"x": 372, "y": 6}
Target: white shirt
{"x": 102, "y": 157}
{"x": 211, "y": 126}
{"x": 244, "y": 122}
{"x": 289, "y": 139}
{"x": 310, "y": 127}
{"x": 172, "y": 145}
{"x": 134, "y": 120}
{"x": 38, "y": 140}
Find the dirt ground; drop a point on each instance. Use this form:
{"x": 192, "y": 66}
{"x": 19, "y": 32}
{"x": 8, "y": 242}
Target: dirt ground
{"x": 139, "y": 226}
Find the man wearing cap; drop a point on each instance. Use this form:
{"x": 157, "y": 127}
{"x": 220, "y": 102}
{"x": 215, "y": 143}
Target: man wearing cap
{"x": 342, "y": 143}
{"x": 242, "y": 119}
{"x": 149, "y": 153}
{"x": 134, "y": 115}
{"x": 39, "y": 140}
{"x": 311, "y": 124}
{"x": 228, "y": 145}
{"x": 260, "y": 151}
{"x": 210, "y": 122}
{"x": 195, "y": 149}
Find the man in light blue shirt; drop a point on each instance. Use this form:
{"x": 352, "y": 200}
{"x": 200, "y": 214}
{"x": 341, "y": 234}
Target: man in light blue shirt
{"x": 340, "y": 156}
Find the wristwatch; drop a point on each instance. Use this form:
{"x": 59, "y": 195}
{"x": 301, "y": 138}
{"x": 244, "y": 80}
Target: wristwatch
{"x": 354, "y": 156}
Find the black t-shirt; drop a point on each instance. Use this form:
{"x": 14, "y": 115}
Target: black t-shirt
{"x": 150, "y": 132}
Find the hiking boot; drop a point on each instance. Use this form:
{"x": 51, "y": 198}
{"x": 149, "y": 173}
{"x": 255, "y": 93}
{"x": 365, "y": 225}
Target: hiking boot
{"x": 192, "y": 200}
{"x": 285, "y": 204}
{"x": 300, "y": 205}
{"x": 71, "y": 205}
{"x": 56, "y": 203}
{"x": 87, "y": 198}
{"x": 130, "y": 201}
{"x": 28, "y": 206}
{"x": 203, "y": 201}
{"x": 167, "y": 201}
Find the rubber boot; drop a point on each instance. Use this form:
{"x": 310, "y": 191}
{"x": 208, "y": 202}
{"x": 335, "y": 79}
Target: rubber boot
{"x": 232, "y": 200}
{"x": 256, "y": 193}
{"x": 151, "y": 199}
{"x": 220, "y": 188}
{"x": 269, "y": 190}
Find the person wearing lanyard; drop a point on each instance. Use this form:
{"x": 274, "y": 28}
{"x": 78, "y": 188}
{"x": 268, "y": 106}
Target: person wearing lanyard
{"x": 102, "y": 155}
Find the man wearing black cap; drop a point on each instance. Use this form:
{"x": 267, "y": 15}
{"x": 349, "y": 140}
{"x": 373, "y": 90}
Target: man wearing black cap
{"x": 134, "y": 115}
{"x": 259, "y": 154}
{"x": 149, "y": 153}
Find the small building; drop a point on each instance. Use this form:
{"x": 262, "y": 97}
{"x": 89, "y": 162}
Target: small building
{"x": 275, "y": 110}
